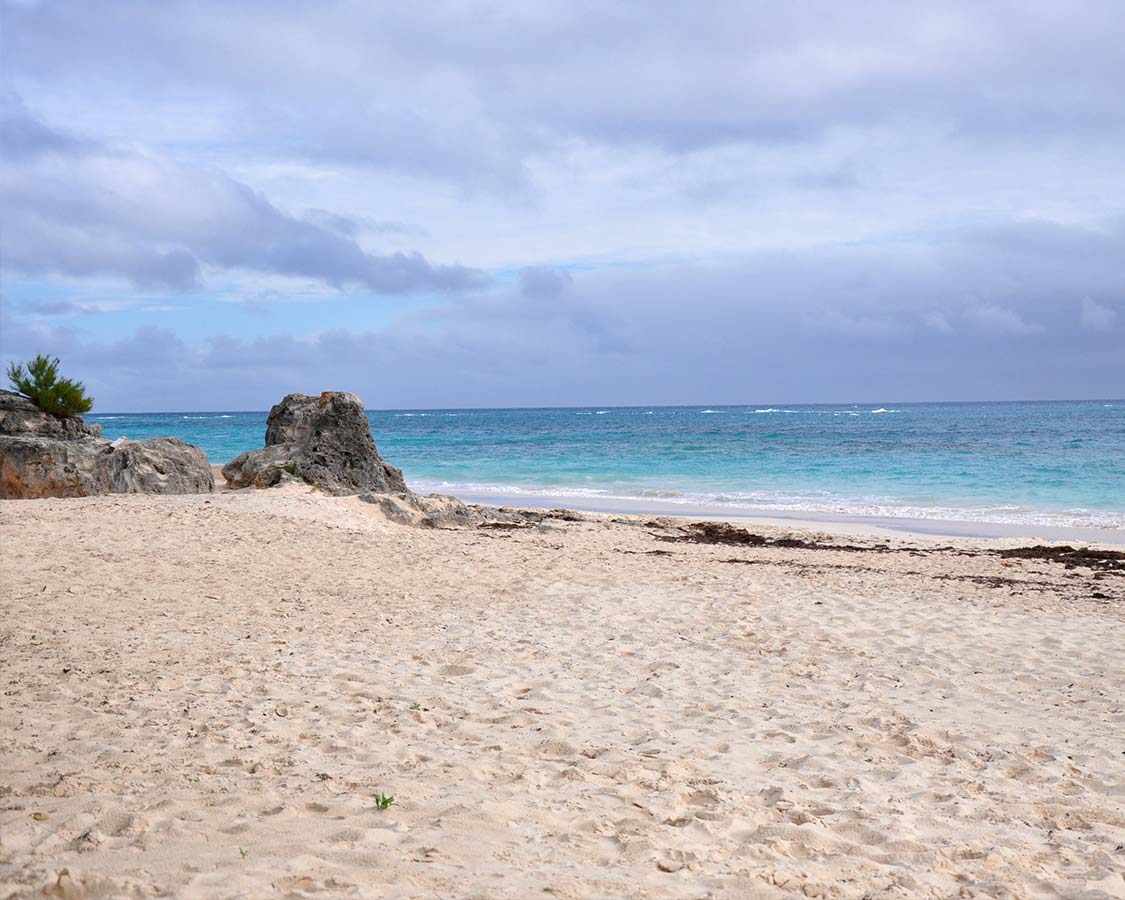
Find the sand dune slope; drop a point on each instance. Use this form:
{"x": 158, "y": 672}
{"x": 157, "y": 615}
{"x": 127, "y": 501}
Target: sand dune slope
{"x": 202, "y": 696}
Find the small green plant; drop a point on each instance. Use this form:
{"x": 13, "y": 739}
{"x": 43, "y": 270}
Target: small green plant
{"x": 383, "y": 802}
{"x": 43, "y": 387}
{"x": 415, "y": 705}
{"x": 243, "y": 853}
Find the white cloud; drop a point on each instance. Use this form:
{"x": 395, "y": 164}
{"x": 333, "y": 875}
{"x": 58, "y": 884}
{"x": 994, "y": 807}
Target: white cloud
{"x": 856, "y": 325}
{"x": 999, "y": 320}
{"x": 796, "y": 186}
{"x": 86, "y": 209}
{"x": 938, "y": 322}
{"x": 1095, "y": 316}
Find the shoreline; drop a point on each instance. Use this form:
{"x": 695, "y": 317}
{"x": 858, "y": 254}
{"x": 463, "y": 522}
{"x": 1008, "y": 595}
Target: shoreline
{"x": 832, "y": 523}
{"x": 835, "y": 523}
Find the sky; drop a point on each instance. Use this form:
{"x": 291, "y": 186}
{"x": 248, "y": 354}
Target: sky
{"x": 205, "y": 206}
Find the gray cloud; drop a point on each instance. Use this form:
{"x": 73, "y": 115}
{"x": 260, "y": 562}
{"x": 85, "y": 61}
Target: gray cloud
{"x": 22, "y": 137}
{"x": 84, "y": 209}
{"x": 55, "y": 308}
{"x": 352, "y": 226}
{"x": 543, "y": 282}
{"x": 379, "y": 84}
{"x": 999, "y": 319}
{"x": 939, "y": 322}
{"x": 744, "y": 202}
{"x": 1097, "y": 316}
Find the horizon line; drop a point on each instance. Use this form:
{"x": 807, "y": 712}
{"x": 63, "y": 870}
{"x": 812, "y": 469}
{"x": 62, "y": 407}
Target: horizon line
{"x": 609, "y": 406}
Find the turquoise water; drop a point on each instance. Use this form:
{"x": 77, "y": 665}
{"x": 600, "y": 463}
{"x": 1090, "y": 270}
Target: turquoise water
{"x": 1043, "y": 463}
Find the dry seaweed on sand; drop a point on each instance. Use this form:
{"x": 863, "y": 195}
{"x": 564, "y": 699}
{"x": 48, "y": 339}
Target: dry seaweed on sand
{"x": 722, "y": 533}
{"x": 1071, "y": 557}
{"x": 730, "y": 535}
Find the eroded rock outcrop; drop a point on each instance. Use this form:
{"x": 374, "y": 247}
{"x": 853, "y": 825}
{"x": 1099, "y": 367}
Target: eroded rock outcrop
{"x": 441, "y": 511}
{"x": 324, "y": 441}
{"x": 51, "y": 456}
{"x": 433, "y": 511}
{"x": 22, "y": 418}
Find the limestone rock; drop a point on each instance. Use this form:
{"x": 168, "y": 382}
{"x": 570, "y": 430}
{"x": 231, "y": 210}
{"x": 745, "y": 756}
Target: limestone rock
{"x": 441, "y": 511}
{"x": 32, "y": 466}
{"x": 267, "y": 467}
{"x": 49, "y": 456}
{"x": 433, "y": 511}
{"x": 324, "y": 441}
{"x": 19, "y": 416}
{"x": 163, "y": 465}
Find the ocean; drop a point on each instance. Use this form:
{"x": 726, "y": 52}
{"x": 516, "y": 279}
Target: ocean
{"x": 1054, "y": 464}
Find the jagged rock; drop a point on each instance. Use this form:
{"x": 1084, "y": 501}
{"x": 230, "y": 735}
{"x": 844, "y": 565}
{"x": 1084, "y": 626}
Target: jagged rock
{"x": 267, "y": 467}
{"x": 163, "y": 465}
{"x": 324, "y": 441}
{"x": 441, "y": 511}
{"x": 19, "y": 416}
{"x": 32, "y": 466}
{"x": 49, "y": 456}
{"x": 433, "y": 511}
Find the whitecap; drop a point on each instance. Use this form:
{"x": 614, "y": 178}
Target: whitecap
{"x": 767, "y": 501}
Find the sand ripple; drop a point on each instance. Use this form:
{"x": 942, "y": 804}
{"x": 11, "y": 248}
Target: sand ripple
{"x": 202, "y": 698}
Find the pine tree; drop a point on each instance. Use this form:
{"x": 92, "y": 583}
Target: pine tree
{"x": 41, "y": 384}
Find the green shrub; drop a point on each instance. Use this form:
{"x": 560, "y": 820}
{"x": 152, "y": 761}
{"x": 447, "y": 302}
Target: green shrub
{"x": 41, "y": 384}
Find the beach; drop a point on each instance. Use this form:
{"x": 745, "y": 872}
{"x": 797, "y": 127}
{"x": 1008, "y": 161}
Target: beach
{"x": 966, "y": 469}
{"x": 206, "y": 695}
{"x": 495, "y": 451}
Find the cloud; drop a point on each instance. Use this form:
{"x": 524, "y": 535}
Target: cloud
{"x": 543, "y": 282}
{"x": 82, "y": 209}
{"x": 999, "y": 320}
{"x": 352, "y": 226}
{"x": 861, "y": 326}
{"x": 822, "y": 325}
{"x": 748, "y": 201}
{"x": 55, "y": 308}
{"x": 938, "y": 322}
{"x": 556, "y": 133}
{"x": 23, "y": 137}
{"x": 1095, "y": 316}
{"x": 506, "y": 79}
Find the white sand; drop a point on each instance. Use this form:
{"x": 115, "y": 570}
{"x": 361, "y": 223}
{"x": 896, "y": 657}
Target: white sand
{"x": 201, "y": 696}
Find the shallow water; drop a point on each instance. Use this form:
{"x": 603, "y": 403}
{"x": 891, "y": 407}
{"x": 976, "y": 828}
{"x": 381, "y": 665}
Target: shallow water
{"x": 1029, "y": 463}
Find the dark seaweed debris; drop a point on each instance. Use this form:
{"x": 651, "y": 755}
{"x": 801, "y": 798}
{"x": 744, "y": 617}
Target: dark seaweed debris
{"x": 1071, "y": 557}
{"x": 722, "y": 533}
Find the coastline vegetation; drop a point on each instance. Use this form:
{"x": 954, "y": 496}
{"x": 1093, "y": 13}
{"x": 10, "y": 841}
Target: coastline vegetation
{"x": 41, "y": 384}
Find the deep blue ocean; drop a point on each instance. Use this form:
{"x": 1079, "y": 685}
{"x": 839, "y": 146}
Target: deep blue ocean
{"x": 1035, "y": 463}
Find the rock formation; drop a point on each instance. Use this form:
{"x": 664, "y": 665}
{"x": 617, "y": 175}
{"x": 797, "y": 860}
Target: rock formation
{"x": 440, "y": 511}
{"x": 434, "y": 511}
{"x": 325, "y": 441}
{"x": 51, "y": 456}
